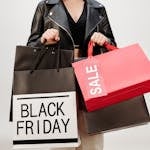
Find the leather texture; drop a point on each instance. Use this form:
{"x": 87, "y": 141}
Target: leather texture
{"x": 51, "y": 14}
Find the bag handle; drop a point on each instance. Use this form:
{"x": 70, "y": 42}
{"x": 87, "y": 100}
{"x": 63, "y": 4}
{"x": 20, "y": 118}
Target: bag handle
{"x": 42, "y": 54}
{"x": 39, "y": 58}
{"x": 107, "y": 45}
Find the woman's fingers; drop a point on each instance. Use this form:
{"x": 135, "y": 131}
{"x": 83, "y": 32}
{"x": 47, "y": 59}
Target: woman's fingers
{"x": 99, "y": 38}
{"x": 51, "y": 36}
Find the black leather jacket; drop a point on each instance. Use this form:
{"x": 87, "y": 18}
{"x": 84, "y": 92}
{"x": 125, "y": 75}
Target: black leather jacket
{"x": 51, "y": 14}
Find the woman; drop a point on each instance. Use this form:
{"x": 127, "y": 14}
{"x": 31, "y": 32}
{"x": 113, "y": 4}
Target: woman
{"x": 74, "y": 23}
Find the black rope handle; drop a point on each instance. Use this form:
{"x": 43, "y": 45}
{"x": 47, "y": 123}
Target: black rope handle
{"x": 58, "y": 57}
{"x": 39, "y": 58}
{"x": 41, "y": 55}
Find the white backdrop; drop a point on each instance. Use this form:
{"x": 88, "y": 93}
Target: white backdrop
{"x": 130, "y": 21}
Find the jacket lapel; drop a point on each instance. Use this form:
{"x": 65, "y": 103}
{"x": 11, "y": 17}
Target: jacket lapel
{"x": 93, "y": 16}
{"x": 58, "y": 15}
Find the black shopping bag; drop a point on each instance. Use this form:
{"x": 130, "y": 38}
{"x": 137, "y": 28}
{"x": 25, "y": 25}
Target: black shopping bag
{"x": 119, "y": 116}
{"x": 44, "y": 107}
{"x": 26, "y": 56}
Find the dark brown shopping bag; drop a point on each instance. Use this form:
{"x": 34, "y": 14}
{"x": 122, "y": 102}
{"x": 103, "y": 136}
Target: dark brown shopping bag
{"x": 44, "y": 107}
{"x": 26, "y": 56}
{"x": 118, "y": 116}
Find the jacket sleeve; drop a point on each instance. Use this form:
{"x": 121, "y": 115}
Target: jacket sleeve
{"x": 37, "y": 27}
{"x": 106, "y": 28}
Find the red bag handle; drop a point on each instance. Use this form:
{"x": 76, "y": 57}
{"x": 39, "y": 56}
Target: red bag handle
{"x": 108, "y": 46}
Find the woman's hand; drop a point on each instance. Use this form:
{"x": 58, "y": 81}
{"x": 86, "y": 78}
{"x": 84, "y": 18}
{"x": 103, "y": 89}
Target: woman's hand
{"x": 99, "y": 38}
{"x": 50, "y": 36}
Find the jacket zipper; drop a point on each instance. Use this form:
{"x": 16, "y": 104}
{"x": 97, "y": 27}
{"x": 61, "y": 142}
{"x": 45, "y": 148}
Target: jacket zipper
{"x": 64, "y": 30}
{"x": 68, "y": 31}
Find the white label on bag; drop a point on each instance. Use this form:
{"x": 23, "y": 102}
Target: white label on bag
{"x": 93, "y": 79}
{"x": 48, "y": 118}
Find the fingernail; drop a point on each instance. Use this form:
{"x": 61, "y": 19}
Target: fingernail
{"x": 58, "y": 39}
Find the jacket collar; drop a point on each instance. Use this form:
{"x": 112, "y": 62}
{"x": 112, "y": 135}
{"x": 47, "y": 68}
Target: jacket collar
{"x": 52, "y": 1}
{"x": 58, "y": 14}
{"x": 92, "y": 3}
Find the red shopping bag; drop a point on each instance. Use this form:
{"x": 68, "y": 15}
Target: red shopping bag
{"x": 112, "y": 77}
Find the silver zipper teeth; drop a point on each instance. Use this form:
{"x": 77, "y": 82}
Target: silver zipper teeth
{"x": 69, "y": 33}
{"x": 64, "y": 30}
